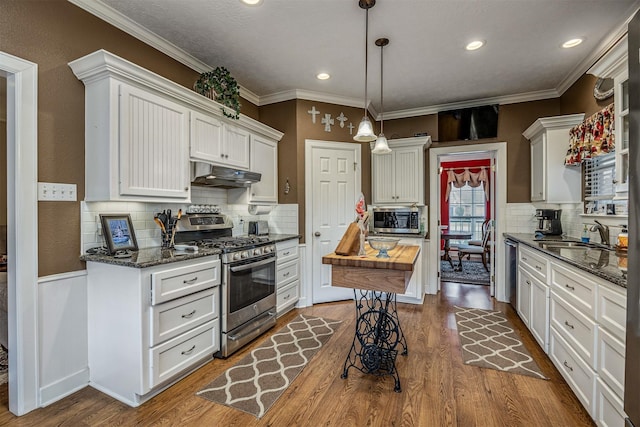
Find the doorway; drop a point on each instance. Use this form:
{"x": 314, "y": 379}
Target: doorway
{"x": 22, "y": 226}
{"x": 497, "y": 153}
{"x": 332, "y": 187}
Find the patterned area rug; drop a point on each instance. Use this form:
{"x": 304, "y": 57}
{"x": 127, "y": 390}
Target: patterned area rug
{"x": 488, "y": 340}
{"x": 4, "y": 365}
{"x": 260, "y": 378}
{"x": 472, "y": 272}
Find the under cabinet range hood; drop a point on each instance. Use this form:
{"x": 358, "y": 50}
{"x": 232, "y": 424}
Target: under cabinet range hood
{"x": 207, "y": 175}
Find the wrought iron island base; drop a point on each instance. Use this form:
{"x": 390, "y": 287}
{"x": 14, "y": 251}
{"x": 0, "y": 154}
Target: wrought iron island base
{"x": 377, "y": 335}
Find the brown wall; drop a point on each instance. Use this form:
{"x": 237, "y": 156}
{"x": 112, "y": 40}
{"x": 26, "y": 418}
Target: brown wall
{"x": 579, "y": 98}
{"x": 58, "y": 32}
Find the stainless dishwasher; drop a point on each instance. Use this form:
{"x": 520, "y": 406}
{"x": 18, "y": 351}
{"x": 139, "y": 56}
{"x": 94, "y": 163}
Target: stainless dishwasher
{"x": 511, "y": 271}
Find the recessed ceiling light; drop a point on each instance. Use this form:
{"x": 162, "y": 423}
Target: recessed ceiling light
{"x": 571, "y": 43}
{"x": 323, "y": 76}
{"x": 252, "y": 2}
{"x": 476, "y": 44}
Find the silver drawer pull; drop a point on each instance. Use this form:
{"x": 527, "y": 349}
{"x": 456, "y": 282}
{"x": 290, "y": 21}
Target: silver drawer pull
{"x": 287, "y": 297}
{"x": 524, "y": 258}
{"x": 566, "y": 322}
{"x": 186, "y": 282}
{"x": 189, "y": 351}
{"x": 286, "y": 253}
{"x": 528, "y": 282}
{"x": 538, "y": 268}
{"x": 570, "y": 287}
{"x": 286, "y": 274}
{"x": 567, "y": 365}
{"x": 189, "y": 315}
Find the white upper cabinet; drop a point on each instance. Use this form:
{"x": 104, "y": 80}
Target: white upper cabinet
{"x": 551, "y": 180}
{"x": 614, "y": 65}
{"x": 141, "y": 130}
{"x": 398, "y": 177}
{"x": 264, "y": 160}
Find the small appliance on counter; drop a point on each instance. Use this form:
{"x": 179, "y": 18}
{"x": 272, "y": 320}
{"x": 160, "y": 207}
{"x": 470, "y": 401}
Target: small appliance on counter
{"x": 549, "y": 222}
{"x": 397, "y": 219}
{"x": 258, "y": 228}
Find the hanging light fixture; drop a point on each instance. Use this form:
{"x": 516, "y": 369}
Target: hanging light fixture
{"x": 365, "y": 128}
{"x": 381, "y": 147}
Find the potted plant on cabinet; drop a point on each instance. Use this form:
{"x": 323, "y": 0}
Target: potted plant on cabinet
{"x": 220, "y": 86}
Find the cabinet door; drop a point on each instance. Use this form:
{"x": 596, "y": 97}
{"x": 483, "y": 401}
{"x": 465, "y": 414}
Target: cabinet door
{"x": 236, "y": 147}
{"x": 524, "y": 296}
{"x": 264, "y": 160}
{"x": 382, "y": 171}
{"x": 539, "y": 321}
{"x": 154, "y": 159}
{"x": 408, "y": 186}
{"x": 415, "y": 289}
{"x": 206, "y": 138}
{"x": 538, "y": 169}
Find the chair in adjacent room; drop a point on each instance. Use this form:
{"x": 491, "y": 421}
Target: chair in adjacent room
{"x": 470, "y": 249}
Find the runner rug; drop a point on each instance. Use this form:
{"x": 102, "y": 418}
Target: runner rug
{"x": 259, "y": 379}
{"x": 488, "y": 340}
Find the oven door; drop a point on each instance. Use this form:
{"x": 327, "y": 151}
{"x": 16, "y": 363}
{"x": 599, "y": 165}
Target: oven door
{"x": 250, "y": 290}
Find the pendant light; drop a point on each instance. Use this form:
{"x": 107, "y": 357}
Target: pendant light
{"x": 381, "y": 146}
{"x": 365, "y": 128}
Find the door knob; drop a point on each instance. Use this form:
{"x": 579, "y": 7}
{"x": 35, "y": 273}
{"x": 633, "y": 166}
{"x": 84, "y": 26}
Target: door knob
{"x": 317, "y": 234}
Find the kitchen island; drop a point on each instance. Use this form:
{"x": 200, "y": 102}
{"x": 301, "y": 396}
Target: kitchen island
{"x": 375, "y": 282}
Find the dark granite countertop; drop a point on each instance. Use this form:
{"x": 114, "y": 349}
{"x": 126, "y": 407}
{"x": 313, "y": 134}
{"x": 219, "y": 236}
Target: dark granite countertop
{"x": 282, "y": 237}
{"x": 599, "y": 262}
{"x": 150, "y": 257}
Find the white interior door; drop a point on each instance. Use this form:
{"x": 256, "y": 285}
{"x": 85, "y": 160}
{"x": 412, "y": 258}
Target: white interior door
{"x": 332, "y": 188}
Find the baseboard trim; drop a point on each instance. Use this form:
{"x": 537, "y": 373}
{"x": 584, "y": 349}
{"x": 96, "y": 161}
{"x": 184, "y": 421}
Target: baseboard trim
{"x": 64, "y": 387}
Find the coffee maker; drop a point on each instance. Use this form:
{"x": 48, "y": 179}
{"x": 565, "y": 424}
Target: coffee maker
{"x": 549, "y": 221}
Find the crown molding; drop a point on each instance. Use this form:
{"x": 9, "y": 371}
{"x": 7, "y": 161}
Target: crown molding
{"x": 550, "y": 123}
{"x": 501, "y": 100}
{"x": 120, "y": 21}
{"x": 613, "y": 62}
{"x": 309, "y": 96}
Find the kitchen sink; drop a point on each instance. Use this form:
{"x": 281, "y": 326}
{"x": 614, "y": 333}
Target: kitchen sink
{"x": 572, "y": 245}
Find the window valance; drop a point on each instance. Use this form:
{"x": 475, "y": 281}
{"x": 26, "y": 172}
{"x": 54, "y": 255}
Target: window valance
{"x": 466, "y": 177}
{"x": 592, "y": 137}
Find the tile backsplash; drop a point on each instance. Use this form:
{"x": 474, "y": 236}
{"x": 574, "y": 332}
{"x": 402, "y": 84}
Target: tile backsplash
{"x": 283, "y": 219}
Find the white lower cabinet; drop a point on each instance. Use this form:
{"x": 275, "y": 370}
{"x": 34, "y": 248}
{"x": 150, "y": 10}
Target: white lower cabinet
{"x": 287, "y": 275}
{"x": 414, "y": 294}
{"x": 586, "y": 324}
{"x": 149, "y": 327}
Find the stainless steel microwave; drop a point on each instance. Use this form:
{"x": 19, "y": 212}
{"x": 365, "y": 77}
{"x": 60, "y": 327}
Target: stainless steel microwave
{"x": 397, "y": 219}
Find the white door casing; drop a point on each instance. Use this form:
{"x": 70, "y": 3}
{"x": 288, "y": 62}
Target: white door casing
{"x": 333, "y": 184}
{"x": 22, "y": 226}
{"x": 499, "y": 204}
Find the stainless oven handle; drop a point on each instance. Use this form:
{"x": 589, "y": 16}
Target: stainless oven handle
{"x": 268, "y": 314}
{"x": 252, "y": 265}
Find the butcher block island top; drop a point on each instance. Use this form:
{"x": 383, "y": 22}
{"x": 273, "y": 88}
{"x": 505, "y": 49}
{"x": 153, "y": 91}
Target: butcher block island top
{"x": 377, "y": 274}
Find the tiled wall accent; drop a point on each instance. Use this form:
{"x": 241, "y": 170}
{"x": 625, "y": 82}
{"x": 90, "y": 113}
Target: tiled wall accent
{"x": 520, "y": 218}
{"x": 283, "y": 219}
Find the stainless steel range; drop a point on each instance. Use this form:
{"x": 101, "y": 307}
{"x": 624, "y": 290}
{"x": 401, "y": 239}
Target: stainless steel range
{"x": 248, "y": 291}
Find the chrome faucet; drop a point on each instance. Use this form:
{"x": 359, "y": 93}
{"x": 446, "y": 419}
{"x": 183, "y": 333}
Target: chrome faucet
{"x": 603, "y": 230}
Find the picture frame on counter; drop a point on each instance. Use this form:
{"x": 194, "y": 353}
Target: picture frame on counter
{"x": 118, "y": 232}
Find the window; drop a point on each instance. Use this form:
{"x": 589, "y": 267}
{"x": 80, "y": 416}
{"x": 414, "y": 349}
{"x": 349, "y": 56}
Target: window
{"x": 467, "y": 210}
{"x": 599, "y": 182}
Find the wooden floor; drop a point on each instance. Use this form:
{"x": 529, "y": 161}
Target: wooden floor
{"x": 437, "y": 388}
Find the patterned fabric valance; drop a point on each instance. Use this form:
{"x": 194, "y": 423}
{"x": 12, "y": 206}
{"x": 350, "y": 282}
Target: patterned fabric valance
{"x": 591, "y": 138}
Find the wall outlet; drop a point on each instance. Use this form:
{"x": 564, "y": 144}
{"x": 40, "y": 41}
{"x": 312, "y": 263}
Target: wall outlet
{"x": 49, "y": 191}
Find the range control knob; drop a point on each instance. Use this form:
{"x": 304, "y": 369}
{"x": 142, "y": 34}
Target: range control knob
{"x": 236, "y": 256}
{"x": 257, "y": 251}
{"x": 268, "y": 249}
{"x": 244, "y": 254}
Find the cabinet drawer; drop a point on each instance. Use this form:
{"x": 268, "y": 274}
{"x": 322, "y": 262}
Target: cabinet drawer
{"x": 575, "y": 371}
{"x": 611, "y": 356}
{"x": 286, "y": 250}
{"x": 288, "y": 295}
{"x": 575, "y": 327}
{"x": 576, "y": 288}
{"x": 609, "y": 409}
{"x": 181, "y": 353}
{"x": 612, "y": 311}
{"x": 285, "y": 273}
{"x": 176, "y": 282}
{"x": 537, "y": 264}
{"x": 175, "y": 317}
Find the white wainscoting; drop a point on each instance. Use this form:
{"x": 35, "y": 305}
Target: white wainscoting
{"x": 63, "y": 341}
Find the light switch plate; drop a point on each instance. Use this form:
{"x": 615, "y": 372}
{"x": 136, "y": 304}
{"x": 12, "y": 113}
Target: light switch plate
{"x": 50, "y": 191}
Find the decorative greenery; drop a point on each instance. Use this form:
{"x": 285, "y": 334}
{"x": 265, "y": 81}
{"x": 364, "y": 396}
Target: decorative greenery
{"x": 221, "y": 87}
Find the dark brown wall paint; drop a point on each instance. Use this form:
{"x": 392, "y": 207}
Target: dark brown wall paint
{"x": 59, "y": 32}
{"x": 409, "y": 127}
{"x": 579, "y": 98}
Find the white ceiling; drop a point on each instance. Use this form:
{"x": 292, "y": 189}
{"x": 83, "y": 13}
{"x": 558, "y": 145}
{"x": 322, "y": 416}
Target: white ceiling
{"x": 276, "y": 49}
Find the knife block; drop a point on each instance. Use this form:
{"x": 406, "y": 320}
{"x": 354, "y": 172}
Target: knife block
{"x": 350, "y": 242}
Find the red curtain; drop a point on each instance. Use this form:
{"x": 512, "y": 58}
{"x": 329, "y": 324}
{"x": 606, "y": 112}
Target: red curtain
{"x": 473, "y": 166}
